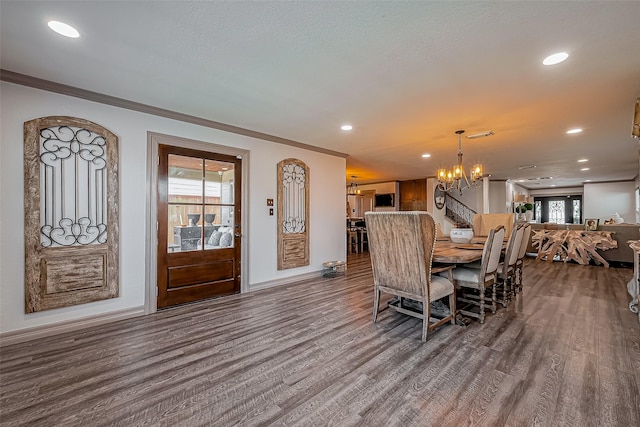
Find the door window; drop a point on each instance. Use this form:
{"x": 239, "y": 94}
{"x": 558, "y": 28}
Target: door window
{"x": 200, "y": 204}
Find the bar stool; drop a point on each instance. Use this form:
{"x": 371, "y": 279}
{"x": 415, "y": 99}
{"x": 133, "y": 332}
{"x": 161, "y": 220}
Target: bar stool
{"x": 352, "y": 241}
{"x": 362, "y": 237}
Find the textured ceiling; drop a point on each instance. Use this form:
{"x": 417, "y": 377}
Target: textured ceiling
{"x": 406, "y": 75}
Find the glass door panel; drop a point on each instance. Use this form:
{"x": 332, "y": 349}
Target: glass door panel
{"x": 556, "y": 211}
{"x": 185, "y": 209}
{"x": 218, "y": 177}
{"x": 184, "y": 228}
{"x": 185, "y": 179}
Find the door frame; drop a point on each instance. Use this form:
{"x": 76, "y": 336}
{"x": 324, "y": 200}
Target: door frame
{"x": 151, "y": 233}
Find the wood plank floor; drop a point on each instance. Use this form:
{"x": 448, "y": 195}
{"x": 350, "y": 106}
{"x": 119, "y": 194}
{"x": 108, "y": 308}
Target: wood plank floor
{"x": 566, "y": 353}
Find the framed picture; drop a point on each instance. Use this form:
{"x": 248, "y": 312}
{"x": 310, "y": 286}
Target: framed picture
{"x": 438, "y": 195}
{"x": 591, "y": 224}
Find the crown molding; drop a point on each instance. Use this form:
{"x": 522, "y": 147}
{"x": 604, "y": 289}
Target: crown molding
{"x": 76, "y": 92}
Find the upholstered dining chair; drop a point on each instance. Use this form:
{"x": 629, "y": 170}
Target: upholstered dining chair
{"x": 481, "y": 279}
{"x": 401, "y": 247}
{"x": 483, "y": 223}
{"x": 507, "y": 268}
{"x": 517, "y": 286}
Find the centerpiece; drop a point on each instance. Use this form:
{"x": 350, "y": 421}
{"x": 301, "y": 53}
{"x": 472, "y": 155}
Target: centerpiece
{"x": 461, "y": 234}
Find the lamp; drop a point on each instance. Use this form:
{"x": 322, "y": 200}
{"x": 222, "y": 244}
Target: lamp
{"x": 455, "y": 178}
{"x": 520, "y": 198}
{"x": 353, "y": 188}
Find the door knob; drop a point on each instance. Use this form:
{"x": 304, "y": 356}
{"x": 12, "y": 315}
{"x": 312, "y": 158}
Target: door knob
{"x": 238, "y": 235}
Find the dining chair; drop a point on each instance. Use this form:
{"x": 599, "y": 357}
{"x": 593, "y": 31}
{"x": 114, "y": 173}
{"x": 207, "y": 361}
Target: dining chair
{"x": 506, "y": 269}
{"x": 481, "y": 279}
{"x": 517, "y": 287}
{"x": 483, "y": 223}
{"x": 401, "y": 246}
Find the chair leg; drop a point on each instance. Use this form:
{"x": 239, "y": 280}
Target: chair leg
{"x": 519, "y": 287}
{"x": 512, "y": 285}
{"x": 376, "y": 304}
{"x": 494, "y": 306}
{"x": 481, "y": 318}
{"x": 505, "y": 287}
{"x": 426, "y": 315}
{"x": 452, "y": 306}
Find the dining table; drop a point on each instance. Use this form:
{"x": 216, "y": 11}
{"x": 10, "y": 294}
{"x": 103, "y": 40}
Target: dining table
{"x": 448, "y": 252}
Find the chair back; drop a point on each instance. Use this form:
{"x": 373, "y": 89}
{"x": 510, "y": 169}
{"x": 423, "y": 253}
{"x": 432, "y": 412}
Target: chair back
{"x": 495, "y": 249}
{"x": 513, "y": 248}
{"x": 525, "y": 241}
{"x": 484, "y": 223}
{"x": 401, "y": 248}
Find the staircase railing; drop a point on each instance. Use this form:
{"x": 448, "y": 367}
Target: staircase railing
{"x": 458, "y": 212}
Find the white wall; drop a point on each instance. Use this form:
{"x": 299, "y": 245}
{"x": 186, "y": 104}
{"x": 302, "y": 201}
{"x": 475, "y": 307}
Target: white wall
{"x": 19, "y": 104}
{"x": 498, "y": 202}
{"x": 602, "y": 200}
{"x": 472, "y": 197}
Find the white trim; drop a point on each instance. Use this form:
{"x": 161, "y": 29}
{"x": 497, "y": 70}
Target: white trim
{"x": 284, "y": 280}
{"x": 36, "y": 332}
{"x": 151, "y": 239}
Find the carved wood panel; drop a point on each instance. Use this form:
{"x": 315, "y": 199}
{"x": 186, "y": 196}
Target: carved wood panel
{"x": 293, "y": 214}
{"x": 71, "y": 225}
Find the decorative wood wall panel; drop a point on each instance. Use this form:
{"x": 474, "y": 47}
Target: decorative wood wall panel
{"x": 71, "y": 200}
{"x": 293, "y": 214}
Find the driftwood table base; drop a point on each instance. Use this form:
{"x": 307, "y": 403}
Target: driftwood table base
{"x": 576, "y": 245}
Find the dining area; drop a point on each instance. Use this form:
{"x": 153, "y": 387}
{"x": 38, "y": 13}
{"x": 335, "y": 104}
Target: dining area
{"x": 439, "y": 279}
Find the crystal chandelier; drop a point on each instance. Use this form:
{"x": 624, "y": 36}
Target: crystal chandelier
{"x": 455, "y": 178}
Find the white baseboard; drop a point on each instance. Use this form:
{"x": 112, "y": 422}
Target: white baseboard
{"x": 284, "y": 281}
{"x": 36, "y": 332}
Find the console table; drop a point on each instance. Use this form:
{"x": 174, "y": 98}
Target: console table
{"x": 576, "y": 245}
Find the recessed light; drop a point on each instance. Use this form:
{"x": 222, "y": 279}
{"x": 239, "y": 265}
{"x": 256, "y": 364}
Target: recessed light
{"x": 583, "y": 160}
{"x": 426, "y": 155}
{"x": 346, "y": 127}
{"x": 587, "y": 180}
{"x": 572, "y": 131}
{"x": 556, "y": 58}
{"x": 63, "y": 29}
{"x": 584, "y": 169}
{"x": 553, "y": 185}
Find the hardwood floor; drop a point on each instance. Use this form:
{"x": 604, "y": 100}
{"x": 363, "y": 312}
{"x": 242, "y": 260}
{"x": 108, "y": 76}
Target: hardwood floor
{"x": 566, "y": 353}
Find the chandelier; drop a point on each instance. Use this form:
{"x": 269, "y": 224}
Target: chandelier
{"x": 455, "y": 178}
{"x": 353, "y": 188}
